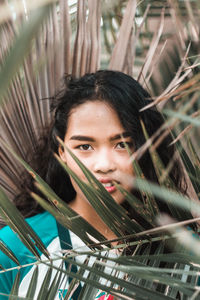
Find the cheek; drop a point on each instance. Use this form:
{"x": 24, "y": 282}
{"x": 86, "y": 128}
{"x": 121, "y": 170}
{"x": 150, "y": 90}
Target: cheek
{"x": 126, "y": 174}
{"x": 124, "y": 164}
{"x": 74, "y": 166}
{"x": 129, "y": 169}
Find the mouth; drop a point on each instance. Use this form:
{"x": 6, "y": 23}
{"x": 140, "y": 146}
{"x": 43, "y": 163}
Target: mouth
{"x": 108, "y": 185}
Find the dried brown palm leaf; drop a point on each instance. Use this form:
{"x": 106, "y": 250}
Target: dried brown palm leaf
{"x": 175, "y": 88}
{"x": 79, "y": 51}
{"x": 155, "y": 64}
{"x": 176, "y": 17}
{"x": 18, "y": 7}
{"x": 93, "y": 27}
{"x": 186, "y": 130}
{"x": 151, "y": 53}
{"x": 119, "y": 53}
{"x": 65, "y": 37}
{"x": 194, "y": 29}
{"x": 86, "y": 54}
{"x": 138, "y": 32}
{"x": 25, "y": 118}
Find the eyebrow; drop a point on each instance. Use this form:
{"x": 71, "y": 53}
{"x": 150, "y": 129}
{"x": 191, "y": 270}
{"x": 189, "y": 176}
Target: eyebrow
{"x": 90, "y": 139}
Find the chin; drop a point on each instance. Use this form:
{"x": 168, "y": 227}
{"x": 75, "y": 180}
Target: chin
{"x": 119, "y": 200}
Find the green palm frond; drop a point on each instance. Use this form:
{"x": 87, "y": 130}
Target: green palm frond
{"x": 16, "y": 221}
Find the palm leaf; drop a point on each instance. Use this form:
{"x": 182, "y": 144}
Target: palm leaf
{"x": 117, "y": 59}
{"x": 108, "y": 201}
{"x": 19, "y": 225}
{"x": 15, "y": 287}
{"x": 45, "y": 286}
{"x": 74, "y": 222}
{"x": 20, "y": 48}
{"x": 169, "y": 196}
{"x": 32, "y": 285}
{"x": 9, "y": 253}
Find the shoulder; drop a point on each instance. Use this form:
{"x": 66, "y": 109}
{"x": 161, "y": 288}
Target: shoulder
{"x": 43, "y": 224}
{"x": 45, "y": 227}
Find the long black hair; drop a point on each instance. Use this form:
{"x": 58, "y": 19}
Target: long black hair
{"x": 127, "y": 97}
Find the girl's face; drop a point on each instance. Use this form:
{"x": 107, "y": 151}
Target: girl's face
{"x": 95, "y": 135}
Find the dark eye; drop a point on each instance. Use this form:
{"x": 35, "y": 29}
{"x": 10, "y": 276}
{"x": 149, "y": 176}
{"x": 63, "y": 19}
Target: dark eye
{"x": 121, "y": 145}
{"x": 85, "y": 147}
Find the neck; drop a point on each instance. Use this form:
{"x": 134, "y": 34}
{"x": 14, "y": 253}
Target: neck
{"x": 85, "y": 210}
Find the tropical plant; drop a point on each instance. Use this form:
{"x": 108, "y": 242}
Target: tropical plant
{"x": 89, "y": 36}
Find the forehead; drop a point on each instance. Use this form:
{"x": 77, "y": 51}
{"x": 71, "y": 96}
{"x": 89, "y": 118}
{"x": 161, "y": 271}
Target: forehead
{"x": 94, "y": 117}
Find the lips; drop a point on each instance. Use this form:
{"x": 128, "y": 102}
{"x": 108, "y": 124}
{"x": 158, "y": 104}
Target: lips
{"x": 108, "y": 185}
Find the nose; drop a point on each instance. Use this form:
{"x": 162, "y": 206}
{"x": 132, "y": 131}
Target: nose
{"x": 104, "y": 162}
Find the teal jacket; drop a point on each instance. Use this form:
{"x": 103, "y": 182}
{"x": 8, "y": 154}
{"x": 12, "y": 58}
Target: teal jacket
{"x": 53, "y": 236}
{"x": 45, "y": 226}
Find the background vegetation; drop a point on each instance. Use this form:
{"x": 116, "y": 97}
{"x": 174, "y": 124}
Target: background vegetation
{"x": 156, "y": 42}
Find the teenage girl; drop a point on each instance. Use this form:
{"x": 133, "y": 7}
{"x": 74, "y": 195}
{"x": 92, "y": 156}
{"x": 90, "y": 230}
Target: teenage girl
{"x": 97, "y": 117}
